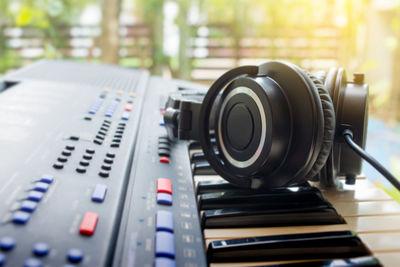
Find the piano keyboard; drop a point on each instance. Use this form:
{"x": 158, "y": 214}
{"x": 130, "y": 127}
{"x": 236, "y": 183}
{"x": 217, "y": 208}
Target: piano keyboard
{"x": 360, "y": 222}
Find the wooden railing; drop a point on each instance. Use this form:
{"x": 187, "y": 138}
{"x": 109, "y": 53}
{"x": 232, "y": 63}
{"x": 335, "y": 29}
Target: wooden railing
{"x": 78, "y": 42}
{"x": 215, "y": 49}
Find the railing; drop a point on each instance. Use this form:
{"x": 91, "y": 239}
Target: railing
{"x": 215, "y": 49}
{"x": 78, "y": 42}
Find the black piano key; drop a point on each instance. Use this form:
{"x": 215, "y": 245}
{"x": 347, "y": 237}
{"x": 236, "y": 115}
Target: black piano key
{"x": 266, "y": 217}
{"x": 241, "y": 198}
{"x": 194, "y": 145}
{"x": 197, "y": 156}
{"x": 222, "y": 185}
{"x": 349, "y": 262}
{"x": 203, "y": 168}
{"x": 325, "y": 245}
{"x": 204, "y": 187}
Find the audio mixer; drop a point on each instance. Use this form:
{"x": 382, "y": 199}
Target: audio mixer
{"x": 82, "y": 181}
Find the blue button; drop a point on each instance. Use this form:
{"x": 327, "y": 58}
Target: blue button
{"x": 35, "y": 195}
{"x": 7, "y": 243}
{"x": 2, "y": 259}
{"x": 28, "y": 205}
{"x": 125, "y": 116}
{"x": 41, "y": 249}
{"x": 108, "y": 114}
{"x": 164, "y": 262}
{"x": 164, "y": 199}
{"x": 165, "y": 245}
{"x": 99, "y": 193}
{"x": 21, "y": 217}
{"x": 92, "y": 111}
{"x": 42, "y": 187}
{"x": 47, "y": 178}
{"x": 165, "y": 221}
{"x": 32, "y": 262}
{"x": 162, "y": 123}
{"x": 75, "y": 255}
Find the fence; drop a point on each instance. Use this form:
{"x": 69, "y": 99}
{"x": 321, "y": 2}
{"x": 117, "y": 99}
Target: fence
{"x": 78, "y": 42}
{"x": 215, "y": 49}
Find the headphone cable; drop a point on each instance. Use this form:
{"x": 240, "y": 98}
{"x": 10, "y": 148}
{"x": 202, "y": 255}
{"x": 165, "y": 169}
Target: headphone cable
{"x": 348, "y": 137}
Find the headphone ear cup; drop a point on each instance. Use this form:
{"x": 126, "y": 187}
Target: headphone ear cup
{"x": 329, "y": 128}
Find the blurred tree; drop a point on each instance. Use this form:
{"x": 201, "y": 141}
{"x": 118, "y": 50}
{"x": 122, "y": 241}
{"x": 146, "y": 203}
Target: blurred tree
{"x": 109, "y": 39}
{"x": 395, "y": 90}
{"x": 4, "y": 19}
{"x": 185, "y": 35}
{"x": 152, "y": 12}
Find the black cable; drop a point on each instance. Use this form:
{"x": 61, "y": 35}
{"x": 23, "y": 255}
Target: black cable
{"x": 348, "y": 136}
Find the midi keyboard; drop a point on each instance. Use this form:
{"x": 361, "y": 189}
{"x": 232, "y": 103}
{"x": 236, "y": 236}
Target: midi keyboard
{"x": 90, "y": 178}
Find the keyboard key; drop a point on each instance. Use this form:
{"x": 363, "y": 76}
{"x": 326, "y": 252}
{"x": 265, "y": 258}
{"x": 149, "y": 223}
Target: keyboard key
{"x": 125, "y": 116}
{"x": 88, "y": 224}
{"x": 164, "y": 185}
{"x": 165, "y": 245}
{"x": 47, "y": 178}
{"x": 42, "y": 187}
{"x": 7, "y": 243}
{"x": 69, "y": 147}
{"x": 164, "y": 262}
{"x": 251, "y": 217}
{"x": 128, "y": 107}
{"x": 35, "y": 195}
{"x": 81, "y": 169}
{"x": 66, "y": 153}
{"x": 75, "y": 255}
{"x": 28, "y": 205}
{"x": 296, "y": 246}
{"x": 164, "y": 160}
{"x": 90, "y": 150}
{"x": 104, "y": 174}
{"x": 21, "y": 217}
{"x": 41, "y": 249}
{"x": 58, "y": 165}
{"x": 165, "y": 221}
{"x": 164, "y": 199}
{"x": 229, "y": 196}
{"x": 203, "y": 168}
{"x": 99, "y": 193}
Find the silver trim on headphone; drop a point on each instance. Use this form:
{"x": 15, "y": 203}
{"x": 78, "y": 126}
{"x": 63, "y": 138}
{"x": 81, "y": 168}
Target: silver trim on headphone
{"x": 250, "y": 93}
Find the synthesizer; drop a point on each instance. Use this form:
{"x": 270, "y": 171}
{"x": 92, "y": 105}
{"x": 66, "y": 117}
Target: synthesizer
{"x": 90, "y": 178}
{"x": 81, "y": 180}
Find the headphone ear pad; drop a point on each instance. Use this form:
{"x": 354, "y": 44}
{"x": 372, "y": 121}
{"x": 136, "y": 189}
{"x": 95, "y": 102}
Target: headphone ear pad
{"x": 329, "y": 127}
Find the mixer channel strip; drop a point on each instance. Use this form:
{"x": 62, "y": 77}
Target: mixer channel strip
{"x": 299, "y": 225}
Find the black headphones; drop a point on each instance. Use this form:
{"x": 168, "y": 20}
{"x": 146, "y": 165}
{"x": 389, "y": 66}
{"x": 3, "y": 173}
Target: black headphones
{"x": 274, "y": 125}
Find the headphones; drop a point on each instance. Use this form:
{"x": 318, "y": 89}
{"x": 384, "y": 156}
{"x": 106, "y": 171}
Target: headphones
{"x": 274, "y": 125}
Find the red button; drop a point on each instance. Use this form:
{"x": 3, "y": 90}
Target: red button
{"x": 88, "y": 224}
{"x": 128, "y": 107}
{"x": 162, "y": 111}
{"x": 164, "y": 185}
{"x": 164, "y": 160}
